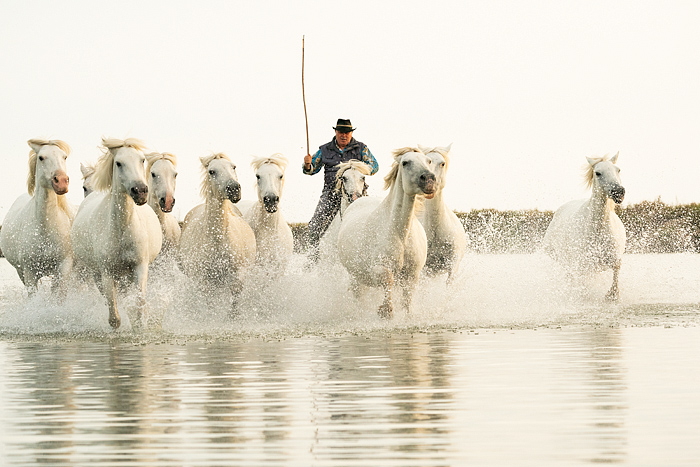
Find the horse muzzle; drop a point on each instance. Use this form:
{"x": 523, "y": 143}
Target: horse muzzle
{"x": 617, "y": 194}
{"x": 139, "y": 193}
{"x": 354, "y": 196}
{"x": 427, "y": 184}
{"x": 233, "y": 191}
{"x": 271, "y": 202}
{"x": 167, "y": 203}
{"x": 59, "y": 182}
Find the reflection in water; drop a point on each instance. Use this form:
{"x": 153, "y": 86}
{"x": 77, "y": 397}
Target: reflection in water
{"x": 529, "y": 397}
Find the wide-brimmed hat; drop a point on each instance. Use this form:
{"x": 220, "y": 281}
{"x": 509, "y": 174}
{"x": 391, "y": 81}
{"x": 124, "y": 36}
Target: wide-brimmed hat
{"x": 344, "y": 126}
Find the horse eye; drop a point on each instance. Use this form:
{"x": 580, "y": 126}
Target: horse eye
{"x": 153, "y": 174}
{"x": 257, "y": 176}
{"x": 211, "y": 172}
{"x": 404, "y": 163}
{"x": 84, "y": 189}
{"x": 281, "y": 177}
{"x": 598, "y": 174}
{"x": 119, "y": 164}
{"x": 175, "y": 176}
{"x": 442, "y": 165}
{"x": 41, "y": 158}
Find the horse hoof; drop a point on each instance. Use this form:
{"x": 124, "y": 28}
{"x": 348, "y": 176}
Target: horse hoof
{"x": 386, "y": 312}
{"x": 612, "y": 296}
{"x": 115, "y": 322}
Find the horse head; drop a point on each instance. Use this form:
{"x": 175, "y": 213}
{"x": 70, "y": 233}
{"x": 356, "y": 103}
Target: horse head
{"x": 412, "y": 169}
{"x": 269, "y": 175}
{"x": 438, "y": 162}
{"x": 350, "y": 180}
{"x": 602, "y": 174}
{"x": 88, "y": 171}
{"x": 161, "y": 173}
{"x": 47, "y": 166}
{"x": 219, "y": 178}
{"x": 120, "y": 169}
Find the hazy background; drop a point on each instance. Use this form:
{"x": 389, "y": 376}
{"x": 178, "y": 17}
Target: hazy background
{"x": 523, "y": 90}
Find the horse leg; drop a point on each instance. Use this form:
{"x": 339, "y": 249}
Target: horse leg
{"x": 386, "y": 309}
{"x": 614, "y": 293}
{"x": 59, "y": 285}
{"x": 30, "y": 281}
{"x": 109, "y": 290}
{"x": 140, "y": 280}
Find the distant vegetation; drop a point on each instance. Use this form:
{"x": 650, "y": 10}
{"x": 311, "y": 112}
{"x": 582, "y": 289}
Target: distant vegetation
{"x": 652, "y": 227}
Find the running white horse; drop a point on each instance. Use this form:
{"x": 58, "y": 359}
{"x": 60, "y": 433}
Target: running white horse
{"x": 161, "y": 172}
{"x": 273, "y": 236}
{"x": 217, "y": 245}
{"x": 447, "y": 240}
{"x": 587, "y": 236}
{"x": 115, "y": 234}
{"x": 381, "y": 243}
{"x": 35, "y": 236}
{"x": 88, "y": 170}
{"x": 350, "y": 186}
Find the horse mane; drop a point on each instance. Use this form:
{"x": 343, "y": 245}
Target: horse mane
{"x": 87, "y": 169}
{"x": 278, "y": 159}
{"x": 204, "y": 188}
{"x": 345, "y": 166}
{"x": 390, "y": 178}
{"x": 104, "y": 168}
{"x": 31, "y": 176}
{"x": 588, "y": 169}
{"x": 153, "y": 157}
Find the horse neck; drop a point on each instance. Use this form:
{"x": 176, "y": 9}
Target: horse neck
{"x": 600, "y": 207}
{"x": 215, "y": 211}
{"x": 122, "y": 207}
{"x": 46, "y": 204}
{"x": 434, "y": 209}
{"x": 264, "y": 219}
{"x": 155, "y": 205}
{"x": 401, "y": 208}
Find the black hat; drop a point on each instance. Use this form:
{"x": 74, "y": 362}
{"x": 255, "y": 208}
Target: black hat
{"x": 344, "y": 126}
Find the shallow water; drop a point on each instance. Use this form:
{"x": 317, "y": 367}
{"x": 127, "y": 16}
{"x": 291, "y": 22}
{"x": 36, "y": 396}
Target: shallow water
{"x": 510, "y": 366}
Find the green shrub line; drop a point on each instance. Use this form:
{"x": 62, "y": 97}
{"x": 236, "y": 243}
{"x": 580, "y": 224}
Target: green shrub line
{"x": 652, "y": 227}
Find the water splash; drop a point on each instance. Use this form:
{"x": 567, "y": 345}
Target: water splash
{"x": 491, "y": 291}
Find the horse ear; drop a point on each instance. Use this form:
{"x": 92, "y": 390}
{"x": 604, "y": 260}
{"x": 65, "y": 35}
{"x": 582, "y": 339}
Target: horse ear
{"x": 35, "y": 146}
{"x": 423, "y": 149}
{"x": 591, "y": 161}
{"x": 613, "y": 159}
{"x": 83, "y": 169}
{"x": 447, "y": 148}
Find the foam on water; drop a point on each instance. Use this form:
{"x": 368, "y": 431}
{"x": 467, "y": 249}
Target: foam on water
{"x": 491, "y": 291}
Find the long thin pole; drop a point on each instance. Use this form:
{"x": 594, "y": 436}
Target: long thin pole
{"x": 303, "y": 95}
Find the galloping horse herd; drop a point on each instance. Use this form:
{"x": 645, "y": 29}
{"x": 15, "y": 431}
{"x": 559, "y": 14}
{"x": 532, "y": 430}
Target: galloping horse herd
{"x": 124, "y": 224}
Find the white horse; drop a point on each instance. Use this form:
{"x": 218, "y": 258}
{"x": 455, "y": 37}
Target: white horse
{"x": 35, "y": 236}
{"x": 273, "y": 236}
{"x": 381, "y": 243}
{"x": 161, "y": 172}
{"x": 587, "y": 236}
{"x": 217, "y": 245}
{"x": 350, "y": 185}
{"x": 447, "y": 240}
{"x": 88, "y": 170}
{"x": 115, "y": 234}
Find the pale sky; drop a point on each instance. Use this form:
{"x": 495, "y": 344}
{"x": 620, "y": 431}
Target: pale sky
{"x": 523, "y": 90}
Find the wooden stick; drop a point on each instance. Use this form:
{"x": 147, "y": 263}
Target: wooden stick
{"x": 303, "y": 95}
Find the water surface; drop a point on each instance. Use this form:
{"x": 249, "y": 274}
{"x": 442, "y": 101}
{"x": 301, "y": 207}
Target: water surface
{"x": 512, "y": 366}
